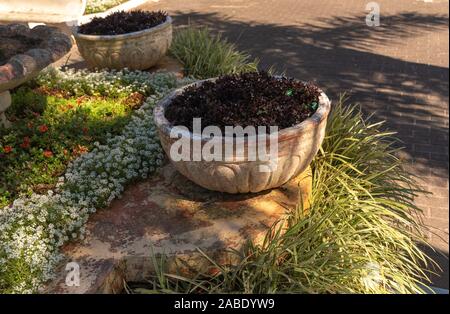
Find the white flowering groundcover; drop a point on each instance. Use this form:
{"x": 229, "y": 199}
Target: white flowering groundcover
{"x": 95, "y": 6}
{"x": 33, "y": 229}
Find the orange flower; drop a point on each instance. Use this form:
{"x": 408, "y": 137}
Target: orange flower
{"x": 7, "y": 149}
{"x": 43, "y": 128}
{"x": 80, "y": 149}
{"x": 30, "y": 125}
{"x": 48, "y": 153}
{"x": 26, "y": 142}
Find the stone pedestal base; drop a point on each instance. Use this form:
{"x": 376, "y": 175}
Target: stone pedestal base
{"x": 169, "y": 214}
{"x": 5, "y": 102}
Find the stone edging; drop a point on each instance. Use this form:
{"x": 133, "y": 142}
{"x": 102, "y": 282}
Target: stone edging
{"x": 20, "y": 67}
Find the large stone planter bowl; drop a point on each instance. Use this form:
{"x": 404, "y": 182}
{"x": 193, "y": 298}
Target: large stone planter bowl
{"x": 297, "y": 146}
{"x": 137, "y": 51}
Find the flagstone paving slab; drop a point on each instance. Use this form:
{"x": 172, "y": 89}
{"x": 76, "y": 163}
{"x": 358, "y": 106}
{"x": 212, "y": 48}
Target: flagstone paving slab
{"x": 169, "y": 214}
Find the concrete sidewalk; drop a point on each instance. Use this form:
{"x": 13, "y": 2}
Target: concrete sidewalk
{"x": 398, "y": 71}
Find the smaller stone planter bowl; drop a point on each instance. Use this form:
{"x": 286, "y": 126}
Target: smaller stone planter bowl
{"x": 136, "y": 51}
{"x": 297, "y": 146}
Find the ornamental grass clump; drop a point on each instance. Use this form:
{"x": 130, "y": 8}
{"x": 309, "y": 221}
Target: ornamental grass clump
{"x": 204, "y": 55}
{"x": 110, "y": 83}
{"x": 359, "y": 236}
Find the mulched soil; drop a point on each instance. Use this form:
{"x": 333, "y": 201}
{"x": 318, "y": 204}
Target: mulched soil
{"x": 250, "y": 99}
{"x": 123, "y": 22}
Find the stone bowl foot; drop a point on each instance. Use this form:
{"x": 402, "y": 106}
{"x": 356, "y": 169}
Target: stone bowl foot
{"x": 5, "y": 102}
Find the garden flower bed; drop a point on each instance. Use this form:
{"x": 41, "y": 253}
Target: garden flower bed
{"x": 96, "y": 6}
{"x": 56, "y": 120}
{"x": 34, "y": 226}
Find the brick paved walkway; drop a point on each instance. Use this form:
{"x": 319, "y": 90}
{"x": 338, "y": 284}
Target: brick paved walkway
{"x": 398, "y": 70}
